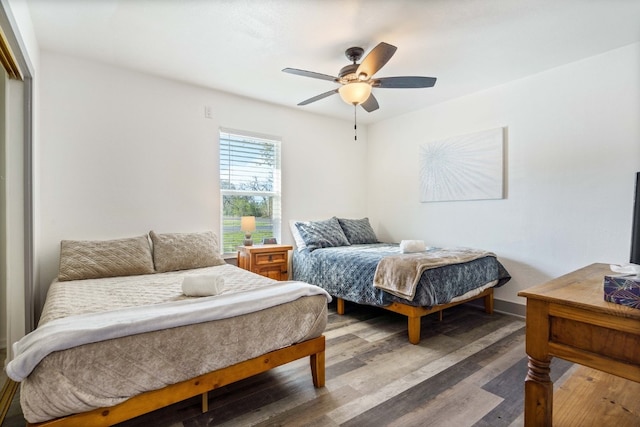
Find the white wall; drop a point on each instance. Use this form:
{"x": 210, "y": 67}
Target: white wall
{"x": 573, "y": 150}
{"x": 121, "y": 153}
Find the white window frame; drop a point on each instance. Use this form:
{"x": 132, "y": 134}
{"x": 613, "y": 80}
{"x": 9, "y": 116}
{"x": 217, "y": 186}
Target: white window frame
{"x": 226, "y": 176}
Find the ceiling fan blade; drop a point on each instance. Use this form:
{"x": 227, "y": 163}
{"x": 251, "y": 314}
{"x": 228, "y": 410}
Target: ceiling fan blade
{"x": 371, "y": 104}
{"x": 404, "y": 82}
{"x": 311, "y": 74}
{"x": 318, "y": 97}
{"x": 376, "y": 59}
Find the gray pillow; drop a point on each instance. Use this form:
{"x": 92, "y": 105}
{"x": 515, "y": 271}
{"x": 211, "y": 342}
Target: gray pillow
{"x": 322, "y": 234}
{"x": 183, "y": 251}
{"x": 94, "y": 259}
{"x": 358, "y": 231}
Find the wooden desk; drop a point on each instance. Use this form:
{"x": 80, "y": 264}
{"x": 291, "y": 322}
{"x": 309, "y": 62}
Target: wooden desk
{"x": 569, "y": 318}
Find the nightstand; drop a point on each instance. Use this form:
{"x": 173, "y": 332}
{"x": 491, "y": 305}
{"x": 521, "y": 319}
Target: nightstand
{"x": 267, "y": 260}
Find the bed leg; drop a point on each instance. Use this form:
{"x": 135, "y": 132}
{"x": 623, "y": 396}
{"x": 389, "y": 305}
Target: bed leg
{"x": 440, "y": 315}
{"x": 317, "y": 369}
{"x": 340, "y": 305}
{"x": 488, "y": 303}
{"x": 413, "y": 325}
{"x": 205, "y": 402}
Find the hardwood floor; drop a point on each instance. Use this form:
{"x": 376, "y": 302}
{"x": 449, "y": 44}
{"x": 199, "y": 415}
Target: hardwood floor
{"x": 612, "y": 400}
{"x": 468, "y": 370}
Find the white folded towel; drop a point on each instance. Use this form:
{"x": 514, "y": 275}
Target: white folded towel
{"x": 202, "y": 285}
{"x": 407, "y": 246}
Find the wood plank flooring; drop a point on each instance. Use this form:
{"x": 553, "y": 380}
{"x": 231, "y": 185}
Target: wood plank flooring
{"x": 468, "y": 370}
{"x": 613, "y": 401}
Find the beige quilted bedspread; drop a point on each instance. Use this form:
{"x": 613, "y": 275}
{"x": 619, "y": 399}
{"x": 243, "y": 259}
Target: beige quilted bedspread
{"x": 96, "y": 295}
{"x": 106, "y": 373}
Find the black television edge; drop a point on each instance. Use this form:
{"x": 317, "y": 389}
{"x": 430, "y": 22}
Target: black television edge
{"x": 635, "y": 231}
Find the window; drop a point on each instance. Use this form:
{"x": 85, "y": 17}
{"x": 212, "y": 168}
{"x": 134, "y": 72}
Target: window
{"x": 249, "y": 186}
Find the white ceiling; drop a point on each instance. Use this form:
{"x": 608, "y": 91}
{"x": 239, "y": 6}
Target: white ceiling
{"x": 241, "y": 46}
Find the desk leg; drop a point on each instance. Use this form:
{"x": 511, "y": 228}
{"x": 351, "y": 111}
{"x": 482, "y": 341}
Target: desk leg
{"x": 538, "y": 395}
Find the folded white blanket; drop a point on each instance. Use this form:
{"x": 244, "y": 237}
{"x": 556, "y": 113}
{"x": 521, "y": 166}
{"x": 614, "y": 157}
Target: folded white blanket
{"x": 407, "y": 246}
{"x": 72, "y": 331}
{"x": 202, "y": 285}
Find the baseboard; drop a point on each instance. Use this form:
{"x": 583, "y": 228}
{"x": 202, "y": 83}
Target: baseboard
{"x": 506, "y": 307}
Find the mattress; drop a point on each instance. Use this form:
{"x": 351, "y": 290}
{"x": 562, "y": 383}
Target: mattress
{"x": 105, "y": 373}
{"x": 347, "y": 272}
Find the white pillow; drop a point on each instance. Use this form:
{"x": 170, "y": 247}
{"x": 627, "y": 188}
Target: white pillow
{"x": 296, "y": 234}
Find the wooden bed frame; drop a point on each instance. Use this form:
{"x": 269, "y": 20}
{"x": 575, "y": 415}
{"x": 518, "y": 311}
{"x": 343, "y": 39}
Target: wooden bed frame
{"x": 156, "y": 399}
{"x": 414, "y": 313}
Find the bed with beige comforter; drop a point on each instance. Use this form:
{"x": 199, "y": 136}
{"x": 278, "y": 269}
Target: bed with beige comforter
{"x": 96, "y": 352}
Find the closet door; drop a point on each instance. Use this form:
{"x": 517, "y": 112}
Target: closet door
{"x": 15, "y": 202}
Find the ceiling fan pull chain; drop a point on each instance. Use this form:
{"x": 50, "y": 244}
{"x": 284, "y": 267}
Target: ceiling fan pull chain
{"x": 355, "y": 123}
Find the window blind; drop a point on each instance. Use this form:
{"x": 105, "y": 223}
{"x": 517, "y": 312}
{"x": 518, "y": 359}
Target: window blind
{"x": 249, "y": 186}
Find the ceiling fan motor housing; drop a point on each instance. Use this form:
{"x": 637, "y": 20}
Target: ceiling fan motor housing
{"x": 348, "y": 73}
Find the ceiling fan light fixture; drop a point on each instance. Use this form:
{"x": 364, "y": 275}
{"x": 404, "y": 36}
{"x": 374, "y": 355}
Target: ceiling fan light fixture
{"x": 356, "y": 79}
{"x": 355, "y": 93}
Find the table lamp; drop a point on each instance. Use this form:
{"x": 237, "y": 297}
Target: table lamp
{"x": 248, "y": 225}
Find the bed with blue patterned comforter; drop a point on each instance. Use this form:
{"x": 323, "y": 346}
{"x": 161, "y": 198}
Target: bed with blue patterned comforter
{"x": 347, "y": 272}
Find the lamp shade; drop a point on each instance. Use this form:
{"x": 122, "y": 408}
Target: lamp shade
{"x": 355, "y": 93}
{"x": 248, "y": 223}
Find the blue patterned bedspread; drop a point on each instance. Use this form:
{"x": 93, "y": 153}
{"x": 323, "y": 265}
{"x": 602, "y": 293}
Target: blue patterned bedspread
{"x": 347, "y": 272}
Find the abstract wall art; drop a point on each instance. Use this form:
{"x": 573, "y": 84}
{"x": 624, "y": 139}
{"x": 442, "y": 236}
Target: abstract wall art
{"x": 467, "y": 167}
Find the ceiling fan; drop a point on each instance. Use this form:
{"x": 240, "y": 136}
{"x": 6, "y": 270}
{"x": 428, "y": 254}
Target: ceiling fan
{"x": 356, "y": 80}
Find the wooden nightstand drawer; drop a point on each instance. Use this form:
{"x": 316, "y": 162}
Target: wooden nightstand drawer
{"x": 271, "y": 258}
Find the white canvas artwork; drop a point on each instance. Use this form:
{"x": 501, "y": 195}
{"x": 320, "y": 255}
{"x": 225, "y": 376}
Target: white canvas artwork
{"x": 467, "y": 167}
